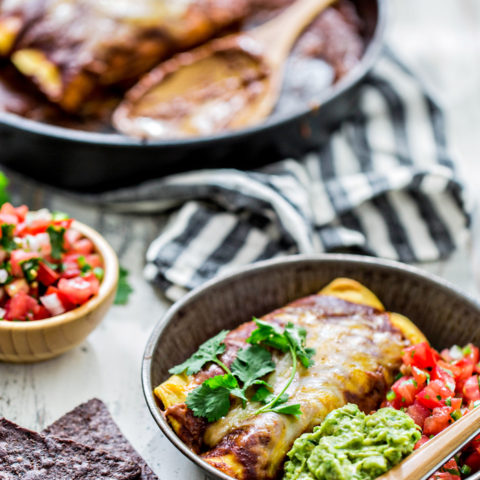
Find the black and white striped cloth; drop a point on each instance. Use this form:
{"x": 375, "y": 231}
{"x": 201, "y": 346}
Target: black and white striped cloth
{"x": 383, "y": 185}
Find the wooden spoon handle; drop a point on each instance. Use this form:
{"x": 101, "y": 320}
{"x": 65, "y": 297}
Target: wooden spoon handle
{"x": 278, "y": 35}
{"x": 425, "y": 461}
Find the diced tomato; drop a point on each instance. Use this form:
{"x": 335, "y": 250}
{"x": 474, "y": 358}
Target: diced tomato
{"x": 46, "y": 275}
{"x": 443, "y": 374}
{"x": 438, "y": 421}
{"x": 423, "y": 440}
{"x": 17, "y": 286}
{"x": 84, "y": 246}
{"x": 17, "y": 257}
{"x": 66, "y": 302}
{"x": 21, "y": 307}
{"x": 471, "y": 390}
{"x": 420, "y": 355}
{"x": 434, "y": 394}
{"x": 94, "y": 283}
{"x": 449, "y": 471}
{"x": 418, "y": 413}
{"x": 405, "y": 389}
{"x": 473, "y": 461}
{"x": 66, "y": 223}
{"x": 456, "y": 403}
{"x": 94, "y": 260}
{"x": 42, "y": 313}
{"x": 420, "y": 376}
{"x": 39, "y": 225}
{"x": 70, "y": 237}
{"x": 18, "y": 212}
{"x": 78, "y": 290}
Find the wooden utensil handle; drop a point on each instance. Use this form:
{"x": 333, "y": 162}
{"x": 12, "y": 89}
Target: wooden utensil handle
{"x": 280, "y": 34}
{"x": 431, "y": 456}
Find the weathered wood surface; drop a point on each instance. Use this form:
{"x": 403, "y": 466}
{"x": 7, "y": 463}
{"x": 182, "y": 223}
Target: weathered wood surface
{"x": 441, "y": 39}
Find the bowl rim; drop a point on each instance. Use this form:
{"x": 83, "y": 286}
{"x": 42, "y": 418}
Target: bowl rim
{"x": 107, "y": 286}
{"x": 116, "y": 139}
{"x": 422, "y": 275}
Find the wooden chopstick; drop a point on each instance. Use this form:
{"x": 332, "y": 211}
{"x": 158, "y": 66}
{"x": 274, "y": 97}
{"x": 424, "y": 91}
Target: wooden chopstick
{"x": 425, "y": 461}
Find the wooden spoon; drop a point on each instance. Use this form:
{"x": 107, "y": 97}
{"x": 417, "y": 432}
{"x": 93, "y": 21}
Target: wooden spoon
{"x": 229, "y": 83}
{"x": 425, "y": 461}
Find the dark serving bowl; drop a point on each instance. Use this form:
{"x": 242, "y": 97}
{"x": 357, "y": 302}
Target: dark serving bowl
{"x": 96, "y": 161}
{"x": 446, "y": 315}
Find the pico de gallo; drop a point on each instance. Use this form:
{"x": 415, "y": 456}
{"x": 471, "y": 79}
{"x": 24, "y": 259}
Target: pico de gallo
{"x": 436, "y": 389}
{"x": 46, "y": 266}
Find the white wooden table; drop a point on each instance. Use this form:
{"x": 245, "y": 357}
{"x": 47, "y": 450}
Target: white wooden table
{"x": 441, "y": 39}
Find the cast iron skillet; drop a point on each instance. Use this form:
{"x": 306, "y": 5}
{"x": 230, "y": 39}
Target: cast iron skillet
{"x": 88, "y": 161}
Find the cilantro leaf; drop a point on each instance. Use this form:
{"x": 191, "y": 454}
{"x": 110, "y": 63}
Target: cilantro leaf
{"x": 85, "y": 267}
{"x": 211, "y": 399}
{"x": 269, "y": 334}
{"x": 207, "y": 352}
{"x": 251, "y": 364}
{"x": 30, "y": 269}
{"x": 297, "y": 337}
{"x": 7, "y": 241}
{"x": 294, "y": 410}
{"x": 123, "y": 289}
{"x": 56, "y": 235}
{"x": 264, "y": 395}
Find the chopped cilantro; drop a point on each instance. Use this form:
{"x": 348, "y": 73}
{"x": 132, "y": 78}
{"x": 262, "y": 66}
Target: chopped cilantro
{"x": 448, "y": 402}
{"x": 56, "y": 235}
{"x": 30, "y": 269}
{"x": 208, "y": 352}
{"x": 84, "y": 266}
{"x": 124, "y": 289}
{"x": 7, "y": 241}
{"x": 466, "y": 350}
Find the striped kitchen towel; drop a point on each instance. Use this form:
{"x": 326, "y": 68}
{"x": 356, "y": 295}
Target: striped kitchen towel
{"x": 384, "y": 184}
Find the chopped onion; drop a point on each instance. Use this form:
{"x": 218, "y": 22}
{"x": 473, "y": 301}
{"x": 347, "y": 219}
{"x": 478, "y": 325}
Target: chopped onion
{"x": 53, "y": 304}
{"x": 3, "y": 275}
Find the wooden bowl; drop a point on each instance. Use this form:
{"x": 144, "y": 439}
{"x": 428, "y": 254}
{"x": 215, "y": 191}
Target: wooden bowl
{"x": 446, "y": 315}
{"x": 33, "y": 341}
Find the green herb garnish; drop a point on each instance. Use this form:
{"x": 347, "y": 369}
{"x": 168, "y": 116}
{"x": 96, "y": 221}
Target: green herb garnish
{"x": 7, "y": 241}
{"x": 56, "y": 235}
{"x": 211, "y": 400}
{"x": 124, "y": 289}
{"x": 292, "y": 339}
{"x": 208, "y": 352}
{"x": 30, "y": 269}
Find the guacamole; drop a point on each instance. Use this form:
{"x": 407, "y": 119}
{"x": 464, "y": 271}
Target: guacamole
{"x": 350, "y": 445}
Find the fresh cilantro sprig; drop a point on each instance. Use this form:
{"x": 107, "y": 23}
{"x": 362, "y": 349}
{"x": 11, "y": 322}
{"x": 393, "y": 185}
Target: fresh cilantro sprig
{"x": 292, "y": 339}
{"x": 212, "y": 399}
{"x": 208, "y": 352}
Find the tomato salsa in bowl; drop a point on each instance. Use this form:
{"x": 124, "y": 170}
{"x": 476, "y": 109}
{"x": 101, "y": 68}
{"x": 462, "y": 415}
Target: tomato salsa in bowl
{"x": 58, "y": 278}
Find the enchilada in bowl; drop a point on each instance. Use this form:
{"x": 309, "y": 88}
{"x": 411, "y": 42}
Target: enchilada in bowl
{"x": 244, "y": 445}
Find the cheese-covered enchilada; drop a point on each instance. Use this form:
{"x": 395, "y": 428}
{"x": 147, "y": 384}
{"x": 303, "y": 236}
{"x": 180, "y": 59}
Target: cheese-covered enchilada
{"x": 358, "y": 349}
{"x": 77, "y": 45}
